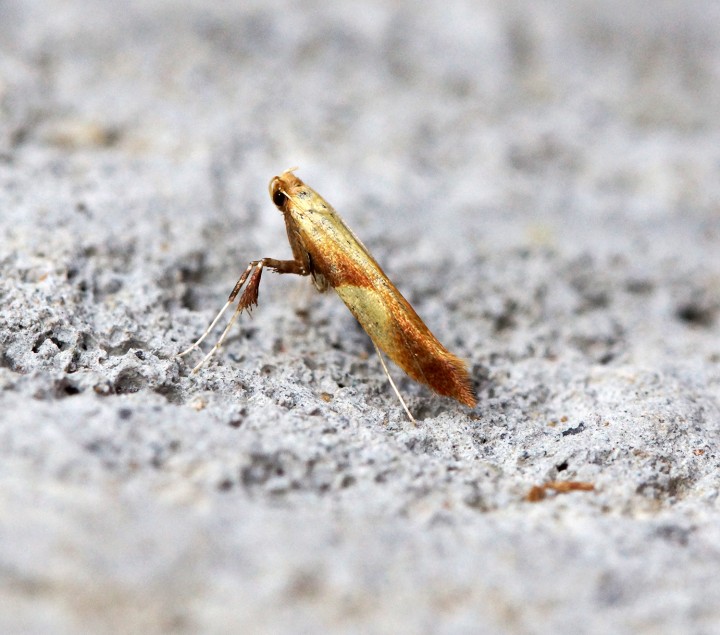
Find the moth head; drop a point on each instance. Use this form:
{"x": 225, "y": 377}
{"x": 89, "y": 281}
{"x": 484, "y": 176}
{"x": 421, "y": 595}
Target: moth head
{"x": 278, "y": 196}
{"x": 280, "y": 187}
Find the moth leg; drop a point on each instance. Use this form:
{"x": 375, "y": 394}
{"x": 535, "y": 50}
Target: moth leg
{"x": 247, "y": 299}
{"x": 394, "y": 387}
{"x": 285, "y": 266}
{"x": 233, "y": 294}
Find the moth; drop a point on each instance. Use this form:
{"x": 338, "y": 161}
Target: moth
{"x": 325, "y": 249}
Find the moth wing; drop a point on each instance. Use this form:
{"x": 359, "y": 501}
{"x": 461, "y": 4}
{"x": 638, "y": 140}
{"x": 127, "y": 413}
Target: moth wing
{"x": 394, "y": 326}
{"x": 339, "y": 258}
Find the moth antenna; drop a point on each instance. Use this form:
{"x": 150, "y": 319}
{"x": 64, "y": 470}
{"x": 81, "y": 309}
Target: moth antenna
{"x": 247, "y": 300}
{"x": 207, "y": 331}
{"x": 394, "y": 387}
{"x": 218, "y": 344}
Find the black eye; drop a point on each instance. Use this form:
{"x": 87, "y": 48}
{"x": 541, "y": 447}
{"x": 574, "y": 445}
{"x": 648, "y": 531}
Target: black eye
{"x": 279, "y": 198}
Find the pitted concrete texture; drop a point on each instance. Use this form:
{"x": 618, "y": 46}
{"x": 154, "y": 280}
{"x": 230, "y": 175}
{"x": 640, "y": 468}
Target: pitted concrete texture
{"x": 539, "y": 179}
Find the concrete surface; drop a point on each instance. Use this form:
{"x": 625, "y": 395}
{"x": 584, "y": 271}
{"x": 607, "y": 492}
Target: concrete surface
{"x": 541, "y": 181}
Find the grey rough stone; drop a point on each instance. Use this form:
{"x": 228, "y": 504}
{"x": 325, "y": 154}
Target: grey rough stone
{"x": 539, "y": 179}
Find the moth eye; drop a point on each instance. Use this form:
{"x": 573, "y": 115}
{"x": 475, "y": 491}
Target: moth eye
{"x": 279, "y": 198}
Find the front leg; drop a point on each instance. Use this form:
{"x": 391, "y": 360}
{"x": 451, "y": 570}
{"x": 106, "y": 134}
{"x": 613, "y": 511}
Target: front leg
{"x": 279, "y": 266}
{"x": 248, "y": 299}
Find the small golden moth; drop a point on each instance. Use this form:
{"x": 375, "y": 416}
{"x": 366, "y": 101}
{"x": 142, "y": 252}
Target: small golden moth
{"x": 324, "y": 248}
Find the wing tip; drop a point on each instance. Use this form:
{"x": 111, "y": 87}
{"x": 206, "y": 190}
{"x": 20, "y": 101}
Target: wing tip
{"x": 464, "y": 392}
{"x": 453, "y": 380}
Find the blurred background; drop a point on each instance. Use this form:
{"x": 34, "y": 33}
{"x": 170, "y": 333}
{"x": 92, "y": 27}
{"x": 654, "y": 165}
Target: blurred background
{"x": 467, "y": 117}
{"x": 540, "y": 179}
